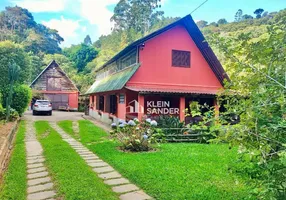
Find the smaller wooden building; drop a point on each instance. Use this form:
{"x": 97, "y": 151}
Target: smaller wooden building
{"x": 55, "y": 86}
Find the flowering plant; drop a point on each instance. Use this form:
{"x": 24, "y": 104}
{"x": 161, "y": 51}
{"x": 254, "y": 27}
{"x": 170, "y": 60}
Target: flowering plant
{"x": 137, "y": 136}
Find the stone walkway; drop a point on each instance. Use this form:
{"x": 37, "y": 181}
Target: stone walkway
{"x": 40, "y": 185}
{"x": 111, "y": 177}
{"x": 75, "y": 127}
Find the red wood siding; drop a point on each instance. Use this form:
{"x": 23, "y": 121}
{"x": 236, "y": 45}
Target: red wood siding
{"x": 156, "y": 70}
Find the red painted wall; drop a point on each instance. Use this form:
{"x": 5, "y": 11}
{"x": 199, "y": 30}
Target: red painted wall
{"x": 156, "y": 69}
{"x": 73, "y": 100}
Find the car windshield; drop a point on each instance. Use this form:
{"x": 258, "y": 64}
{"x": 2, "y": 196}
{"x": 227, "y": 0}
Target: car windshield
{"x": 43, "y": 102}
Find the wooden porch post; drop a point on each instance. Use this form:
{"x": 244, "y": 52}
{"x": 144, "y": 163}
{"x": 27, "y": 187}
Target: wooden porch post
{"x": 182, "y": 108}
{"x": 94, "y": 102}
{"x": 140, "y": 106}
{"x": 121, "y": 106}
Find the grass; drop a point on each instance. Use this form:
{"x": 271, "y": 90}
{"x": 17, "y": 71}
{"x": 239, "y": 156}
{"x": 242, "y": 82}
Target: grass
{"x": 14, "y": 183}
{"x": 67, "y": 127}
{"x": 175, "y": 171}
{"x": 73, "y": 178}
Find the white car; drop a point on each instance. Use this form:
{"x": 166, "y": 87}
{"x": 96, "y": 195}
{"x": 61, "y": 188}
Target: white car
{"x": 42, "y": 106}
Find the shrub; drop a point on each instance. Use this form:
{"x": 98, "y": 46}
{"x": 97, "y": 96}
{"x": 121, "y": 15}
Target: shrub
{"x": 166, "y": 122}
{"x": 137, "y": 136}
{"x": 21, "y": 98}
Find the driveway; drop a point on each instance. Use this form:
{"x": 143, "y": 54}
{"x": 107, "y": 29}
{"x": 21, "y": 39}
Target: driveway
{"x": 57, "y": 116}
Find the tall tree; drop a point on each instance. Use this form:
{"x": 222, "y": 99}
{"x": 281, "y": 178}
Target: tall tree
{"x": 136, "y": 14}
{"x": 87, "y": 40}
{"x": 245, "y": 17}
{"x": 222, "y": 21}
{"x": 202, "y": 23}
{"x": 238, "y": 15}
{"x": 258, "y": 12}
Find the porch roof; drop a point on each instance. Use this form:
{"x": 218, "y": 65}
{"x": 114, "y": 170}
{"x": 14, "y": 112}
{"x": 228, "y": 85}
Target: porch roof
{"x": 114, "y": 81}
{"x": 144, "y": 90}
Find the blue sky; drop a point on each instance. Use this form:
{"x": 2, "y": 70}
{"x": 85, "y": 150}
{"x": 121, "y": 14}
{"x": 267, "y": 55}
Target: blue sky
{"x": 74, "y": 19}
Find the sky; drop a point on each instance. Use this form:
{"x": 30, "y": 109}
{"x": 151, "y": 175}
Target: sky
{"x": 74, "y": 19}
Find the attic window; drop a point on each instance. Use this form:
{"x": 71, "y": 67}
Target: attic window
{"x": 181, "y": 58}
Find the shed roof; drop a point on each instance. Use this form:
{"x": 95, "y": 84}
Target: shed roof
{"x": 197, "y": 37}
{"x": 114, "y": 81}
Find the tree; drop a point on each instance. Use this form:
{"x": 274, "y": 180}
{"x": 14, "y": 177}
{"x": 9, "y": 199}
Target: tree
{"x": 258, "y": 12}
{"x": 18, "y": 25}
{"x": 201, "y": 24}
{"x": 87, "y": 40}
{"x": 136, "y": 14}
{"x": 80, "y": 55}
{"x": 257, "y": 95}
{"x": 265, "y": 14}
{"x": 221, "y": 21}
{"x": 238, "y": 14}
{"x": 13, "y": 73}
{"x": 246, "y": 17}
{"x": 213, "y": 24}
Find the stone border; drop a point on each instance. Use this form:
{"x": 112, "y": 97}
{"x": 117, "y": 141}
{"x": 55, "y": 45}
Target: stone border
{"x": 127, "y": 190}
{"x": 7, "y": 148}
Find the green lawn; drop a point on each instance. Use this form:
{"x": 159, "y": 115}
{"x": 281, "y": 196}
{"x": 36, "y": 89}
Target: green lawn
{"x": 67, "y": 127}
{"x": 175, "y": 171}
{"x": 73, "y": 178}
{"x": 14, "y": 184}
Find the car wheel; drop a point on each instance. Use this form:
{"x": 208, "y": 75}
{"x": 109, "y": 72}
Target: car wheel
{"x": 50, "y": 113}
{"x": 34, "y": 112}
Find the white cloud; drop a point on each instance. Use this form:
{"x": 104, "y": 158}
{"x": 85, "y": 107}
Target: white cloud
{"x": 96, "y": 13}
{"x": 41, "y": 5}
{"x": 66, "y": 27}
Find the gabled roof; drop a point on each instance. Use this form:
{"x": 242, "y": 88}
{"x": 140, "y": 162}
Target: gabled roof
{"x": 114, "y": 81}
{"x": 197, "y": 37}
{"x": 53, "y": 62}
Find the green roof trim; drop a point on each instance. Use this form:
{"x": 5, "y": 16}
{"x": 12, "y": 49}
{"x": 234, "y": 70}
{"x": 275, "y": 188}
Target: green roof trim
{"x": 114, "y": 81}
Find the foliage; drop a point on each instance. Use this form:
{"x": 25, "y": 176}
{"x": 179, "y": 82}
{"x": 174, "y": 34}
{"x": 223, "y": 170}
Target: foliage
{"x": 222, "y": 21}
{"x": 238, "y": 15}
{"x": 80, "y": 55}
{"x": 202, "y": 23}
{"x": 11, "y": 52}
{"x": 166, "y": 123}
{"x": 77, "y": 180}
{"x": 258, "y": 75}
{"x": 13, "y": 73}
{"x": 137, "y": 15}
{"x": 202, "y": 169}
{"x": 258, "y": 12}
{"x": 87, "y": 40}
{"x": 14, "y": 185}
{"x": 137, "y": 136}
{"x": 18, "y": 25}
{"x": 21, "y": 98}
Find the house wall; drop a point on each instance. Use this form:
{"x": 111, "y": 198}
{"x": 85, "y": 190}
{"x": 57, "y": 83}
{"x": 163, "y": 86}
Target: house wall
{"x": 156, "y": 70}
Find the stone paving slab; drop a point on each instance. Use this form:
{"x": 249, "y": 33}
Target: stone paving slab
{"x": 125, "y": 188}
{"x": 35, "y": 170}
{"x": 35, "y": 157}
{"x": 103, "y": 169}
{"x": 37, "y": 188}
{"x": 36, "y": 160}
{"x": 98, "y": 164}
{"x": 137, "y": 195}
{"x": 41, "y": 195}
{"x": 117, "y": 181}
{"x": 38, "y": 181}
{"x": 32, "y": 166}
{"x": 109, "y": 175}
{"x": 37, "y": 175}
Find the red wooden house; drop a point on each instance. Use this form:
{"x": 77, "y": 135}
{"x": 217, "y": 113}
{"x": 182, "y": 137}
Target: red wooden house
{"x": 55, "y": 86}
{"x": 159, "y": 74}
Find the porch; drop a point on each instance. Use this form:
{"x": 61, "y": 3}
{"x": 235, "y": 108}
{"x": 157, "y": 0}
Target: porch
{"x": 125, "y": 104}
